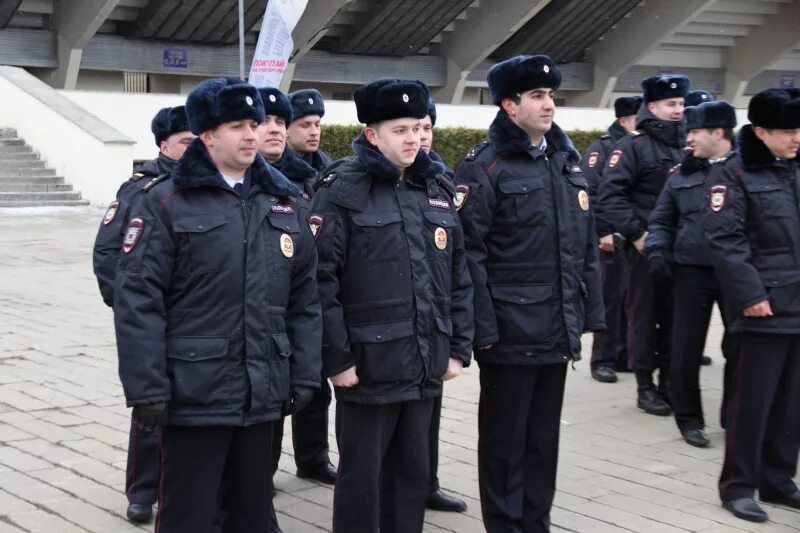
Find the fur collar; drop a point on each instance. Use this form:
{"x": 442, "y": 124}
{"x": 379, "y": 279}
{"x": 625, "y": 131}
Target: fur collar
{"x": 195, "y": 169}
{"x": 670, "y": 132}
{"x": 293, "y": 167}
{"x": 692, "y": 164}
{"x": 752, "y": 150}
{"x": 423, "y": 166}
{"x": 438, "y": 159}
{"x": 158, "y": 166}
{"x": 616, "y": 131}
{"x": 507, "y": 138}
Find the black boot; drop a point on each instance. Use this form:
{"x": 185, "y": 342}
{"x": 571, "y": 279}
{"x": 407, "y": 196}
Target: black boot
{"x": 441, "y": 501}
{"x": 649, "y": 400}
{"x": 140, "y": 513}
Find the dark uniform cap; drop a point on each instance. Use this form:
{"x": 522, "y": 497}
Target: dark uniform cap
{"x": 168, "y": 121}
{"x": 432, "y": 110}
{"x": 306, "y": 102}
{"x": 698, "y": 97}
{"x": 775, "y": 109}
{"x": 716, "y": 114}
{"x": 522, "y": 73}
{"x": 219, "y": 100}
{"x": 663, "y": 87}
{"x": 390, "y": 98}
{"x": 276, "y": 103}
{"x": 625, "y": 106}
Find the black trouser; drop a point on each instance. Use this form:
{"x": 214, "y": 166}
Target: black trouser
{"x": 609, "y": 347}
{"x": 649, "y": 312}
{"x": 763, "y": 435}
{"x": 519, "y": 417}
{"x": 309, "y": 433}
{"x": 144, "y": 466}
{"x": 208, "y": 469}
{"x": 383, "y": 478}
{"x": 433, "y": 444}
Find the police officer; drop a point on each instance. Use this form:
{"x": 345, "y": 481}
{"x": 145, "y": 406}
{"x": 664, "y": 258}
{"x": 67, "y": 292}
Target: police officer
{"x": 397, "y": 307}
{"x": 609, "y": 349}
{"x": 752, "y": 223}
{"x": 438, "y": 500}
{"x": 632, "y": 180}
{"x": 310, "y": 422}
{"x": 697, "y": 97}
{"x": 532, "y": 252}
{"x": 170, "y": 129}
{"x": 303, "y": 135}
{"x": 217, "y": 316}
{"x": 675, "y": 249}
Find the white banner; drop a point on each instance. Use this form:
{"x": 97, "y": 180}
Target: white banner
{"x": 275, "y": 42}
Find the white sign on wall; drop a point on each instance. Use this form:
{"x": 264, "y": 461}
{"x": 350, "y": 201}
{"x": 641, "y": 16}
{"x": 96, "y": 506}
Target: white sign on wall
{"x": 275, "y": 42}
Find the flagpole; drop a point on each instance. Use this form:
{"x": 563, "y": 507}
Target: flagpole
{"x": 241, "y": 39}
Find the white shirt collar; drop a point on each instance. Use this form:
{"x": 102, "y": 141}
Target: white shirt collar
{"x": 230, "y": 181}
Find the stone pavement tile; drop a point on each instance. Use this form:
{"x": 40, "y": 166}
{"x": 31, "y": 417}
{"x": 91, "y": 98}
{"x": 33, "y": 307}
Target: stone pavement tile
{"x": 10, "y": 504}
{"x": 92, "y": 468}
{"x": 572, "y": 521}
{"x": 654, "y": 511}
{"x": 454, "y": 521}
{"x": 290, "y": 524}
{"x": 99, "y": 450}
{"x": 51, "y": 452}
{"x": 87, "y": 516}
{"x": 40, "y": 521}
{"x": 46, "y": 430}
{"x": 31, "y": 490}
{"x": 716, "y": 513}
{"x": 20, "y": 400}
{"x": 625, "y": 519}
{"x": 10, "y": 433}
{"x": 60, "y": 418}
{"x": 105, "y": 434}
{"x": 7, "y": 527}
{"x": 19, "y": 460}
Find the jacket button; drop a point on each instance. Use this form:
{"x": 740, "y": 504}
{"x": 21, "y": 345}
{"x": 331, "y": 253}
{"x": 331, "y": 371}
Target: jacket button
{"x": 378, "y": 222}
{"x": 525, "y": 189}
{"x": 192, "y": 354}
{"x": 522, "y": 300}
{"x": 200, "y": 226}
{"x": 378, "y": 337}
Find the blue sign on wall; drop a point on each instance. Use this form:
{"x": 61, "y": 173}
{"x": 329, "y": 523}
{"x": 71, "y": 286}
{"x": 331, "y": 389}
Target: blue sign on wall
{"x": 787, "y": 80}
{"x": 176, "y": 58}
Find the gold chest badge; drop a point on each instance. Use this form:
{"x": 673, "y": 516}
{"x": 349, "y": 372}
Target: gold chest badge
{"x": 440, "y": 238}
{"x": 287, "y": 246}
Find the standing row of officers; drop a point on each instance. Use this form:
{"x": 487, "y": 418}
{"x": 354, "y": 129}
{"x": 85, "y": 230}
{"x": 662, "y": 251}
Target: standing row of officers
{"x": 245, "y": 270}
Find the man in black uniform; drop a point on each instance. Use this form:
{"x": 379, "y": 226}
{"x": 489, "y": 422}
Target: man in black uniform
{"x": 309, "y": 429}
{"x": 676, "y": 249}
{"x": 170, "y": 129}
{"x": 752, "y": 223}
{"x": 217, "y": 316}
{"x": 438, "y": 500}
{"x": 632, "y": 180}
{"x": 697, "y": 97}
{"x": 532, "y": 251}
{"x": 609, "y": 349}
{"x": 397, "y": 307}
{"x": 304, "y": 131}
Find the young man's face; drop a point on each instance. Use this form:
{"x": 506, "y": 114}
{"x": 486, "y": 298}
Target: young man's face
{"x": 397, "y": 139}
{"x": 704, "y": 142}
{"x": 272, "y": 135}
{"x": 426, "y": 134}
{"x": 535, "y": 111}
{"x": 782, "y": 143}
{"x": 628, "y": 122}
{"x": 670, "y": 109}
{"x": 232, "y": 145}
{"x": 174, "y": 145}
{"x": 304, "y": 134}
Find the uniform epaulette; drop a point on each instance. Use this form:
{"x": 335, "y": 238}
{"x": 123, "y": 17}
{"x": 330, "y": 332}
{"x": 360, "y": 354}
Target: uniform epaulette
{"x": 152, "y": 182}
{"x": 605, "y": 137}
{"x": 636, "y": 133}
{"x": 720, "y": 160}
{"x": 326, "y": 181}
{"x": 137, "y": 176}
{"x": 674, "y": 169}
{"x": 475, "y": 150}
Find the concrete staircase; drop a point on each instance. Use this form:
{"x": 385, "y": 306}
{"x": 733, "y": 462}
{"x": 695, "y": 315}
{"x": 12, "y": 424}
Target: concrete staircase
{"x": 25, "y": 181}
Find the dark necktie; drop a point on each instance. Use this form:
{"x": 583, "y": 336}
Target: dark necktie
{"x": 239, "y": 188}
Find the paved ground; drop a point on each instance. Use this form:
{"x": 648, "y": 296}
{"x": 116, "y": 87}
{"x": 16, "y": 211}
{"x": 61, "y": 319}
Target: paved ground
{"x": 63, "y": 423}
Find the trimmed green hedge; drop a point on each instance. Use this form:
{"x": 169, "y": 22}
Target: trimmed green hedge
{"x": 450, "y": 143}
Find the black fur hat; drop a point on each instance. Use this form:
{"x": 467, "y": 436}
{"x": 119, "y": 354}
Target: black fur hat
{"x": 775, "y": 108}
{"x": 522, "y": 73}
{"x": 716, "y": 114}
{"x": 663, "y": 87}
{"x": 219, "y": 100}
{"x": 306, "y": 102}
{"x": 168, "y": 121}
{"x": 432, "y": 110}
{"x": 698, "y": 97}
{"x": 625, "y": 106}
{"x": 389, "y": 98}
{"x": 276, "y": 103}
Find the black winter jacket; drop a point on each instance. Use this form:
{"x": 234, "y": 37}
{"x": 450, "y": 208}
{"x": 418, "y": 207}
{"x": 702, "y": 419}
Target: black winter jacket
{"x": 393, "y": 277}
{"x": 298, "y": 171}
{"x": 592, "y": 164}
{"x": 216, "y": 306}
{"x": 531, "y": 246}
{"x": 318, "y": 160}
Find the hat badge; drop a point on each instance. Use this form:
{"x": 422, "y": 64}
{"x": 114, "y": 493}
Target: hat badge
{"x": 272, "y": 98}
{"x": 673, "y": 85}
{"x": 546, "y": 69}
{"x": 311, "y": 101}
{"x": 248, "y": 100}
{"x": 405, "y": 97}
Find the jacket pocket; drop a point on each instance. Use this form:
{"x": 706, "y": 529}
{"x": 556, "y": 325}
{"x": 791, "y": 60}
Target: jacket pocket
{"x": 524, "y": 312}
{"x": 385, "y": 353}
{"x": 206, "y": 240}
{"x": 283, "y": 237}
{"x": 199, "y": 370}
{"x": 439, "y": 228}
{"x": 525, "y": 196}
{"x": 280, "y": 373}
{"x": 770, "y": 198}
{"x": 377, "y": 237}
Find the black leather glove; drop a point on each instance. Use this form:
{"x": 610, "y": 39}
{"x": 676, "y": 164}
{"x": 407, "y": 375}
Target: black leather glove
{"x": 151, "y": 416}
{"x": 301, "y": 397}
{"x": 659, "y": 268}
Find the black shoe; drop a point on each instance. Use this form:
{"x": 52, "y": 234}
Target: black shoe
{"x": 324, "y": 473}
{"x": 696, "y": 437}
{"x": 792, "y": 500}
{"x": 439, "y": 501}
{"x": 706, "y": 361}
{"x": 140, "y": 513}
{"x": 604, "y": 374}
{"x": 650, "y": 401}
{"x": 746, "y": 509}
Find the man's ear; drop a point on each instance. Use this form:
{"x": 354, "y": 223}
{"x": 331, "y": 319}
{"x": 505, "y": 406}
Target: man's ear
{"x": 509, "y": 106}
{"x": 371, "y": 134}
{"x": 207, "y": 137}
{"x": 760, "y": 132}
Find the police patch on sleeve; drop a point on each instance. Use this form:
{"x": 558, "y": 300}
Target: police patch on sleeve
{"x": 462, "y": 192}
{"x": 593, "y": 159}
{"x": 315, "y": 223}
{"x": 615, "y": 158}
{"x": 111, "y": 213}
{"x": 718, "y": 197}
{"x": 132, "y": 235}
